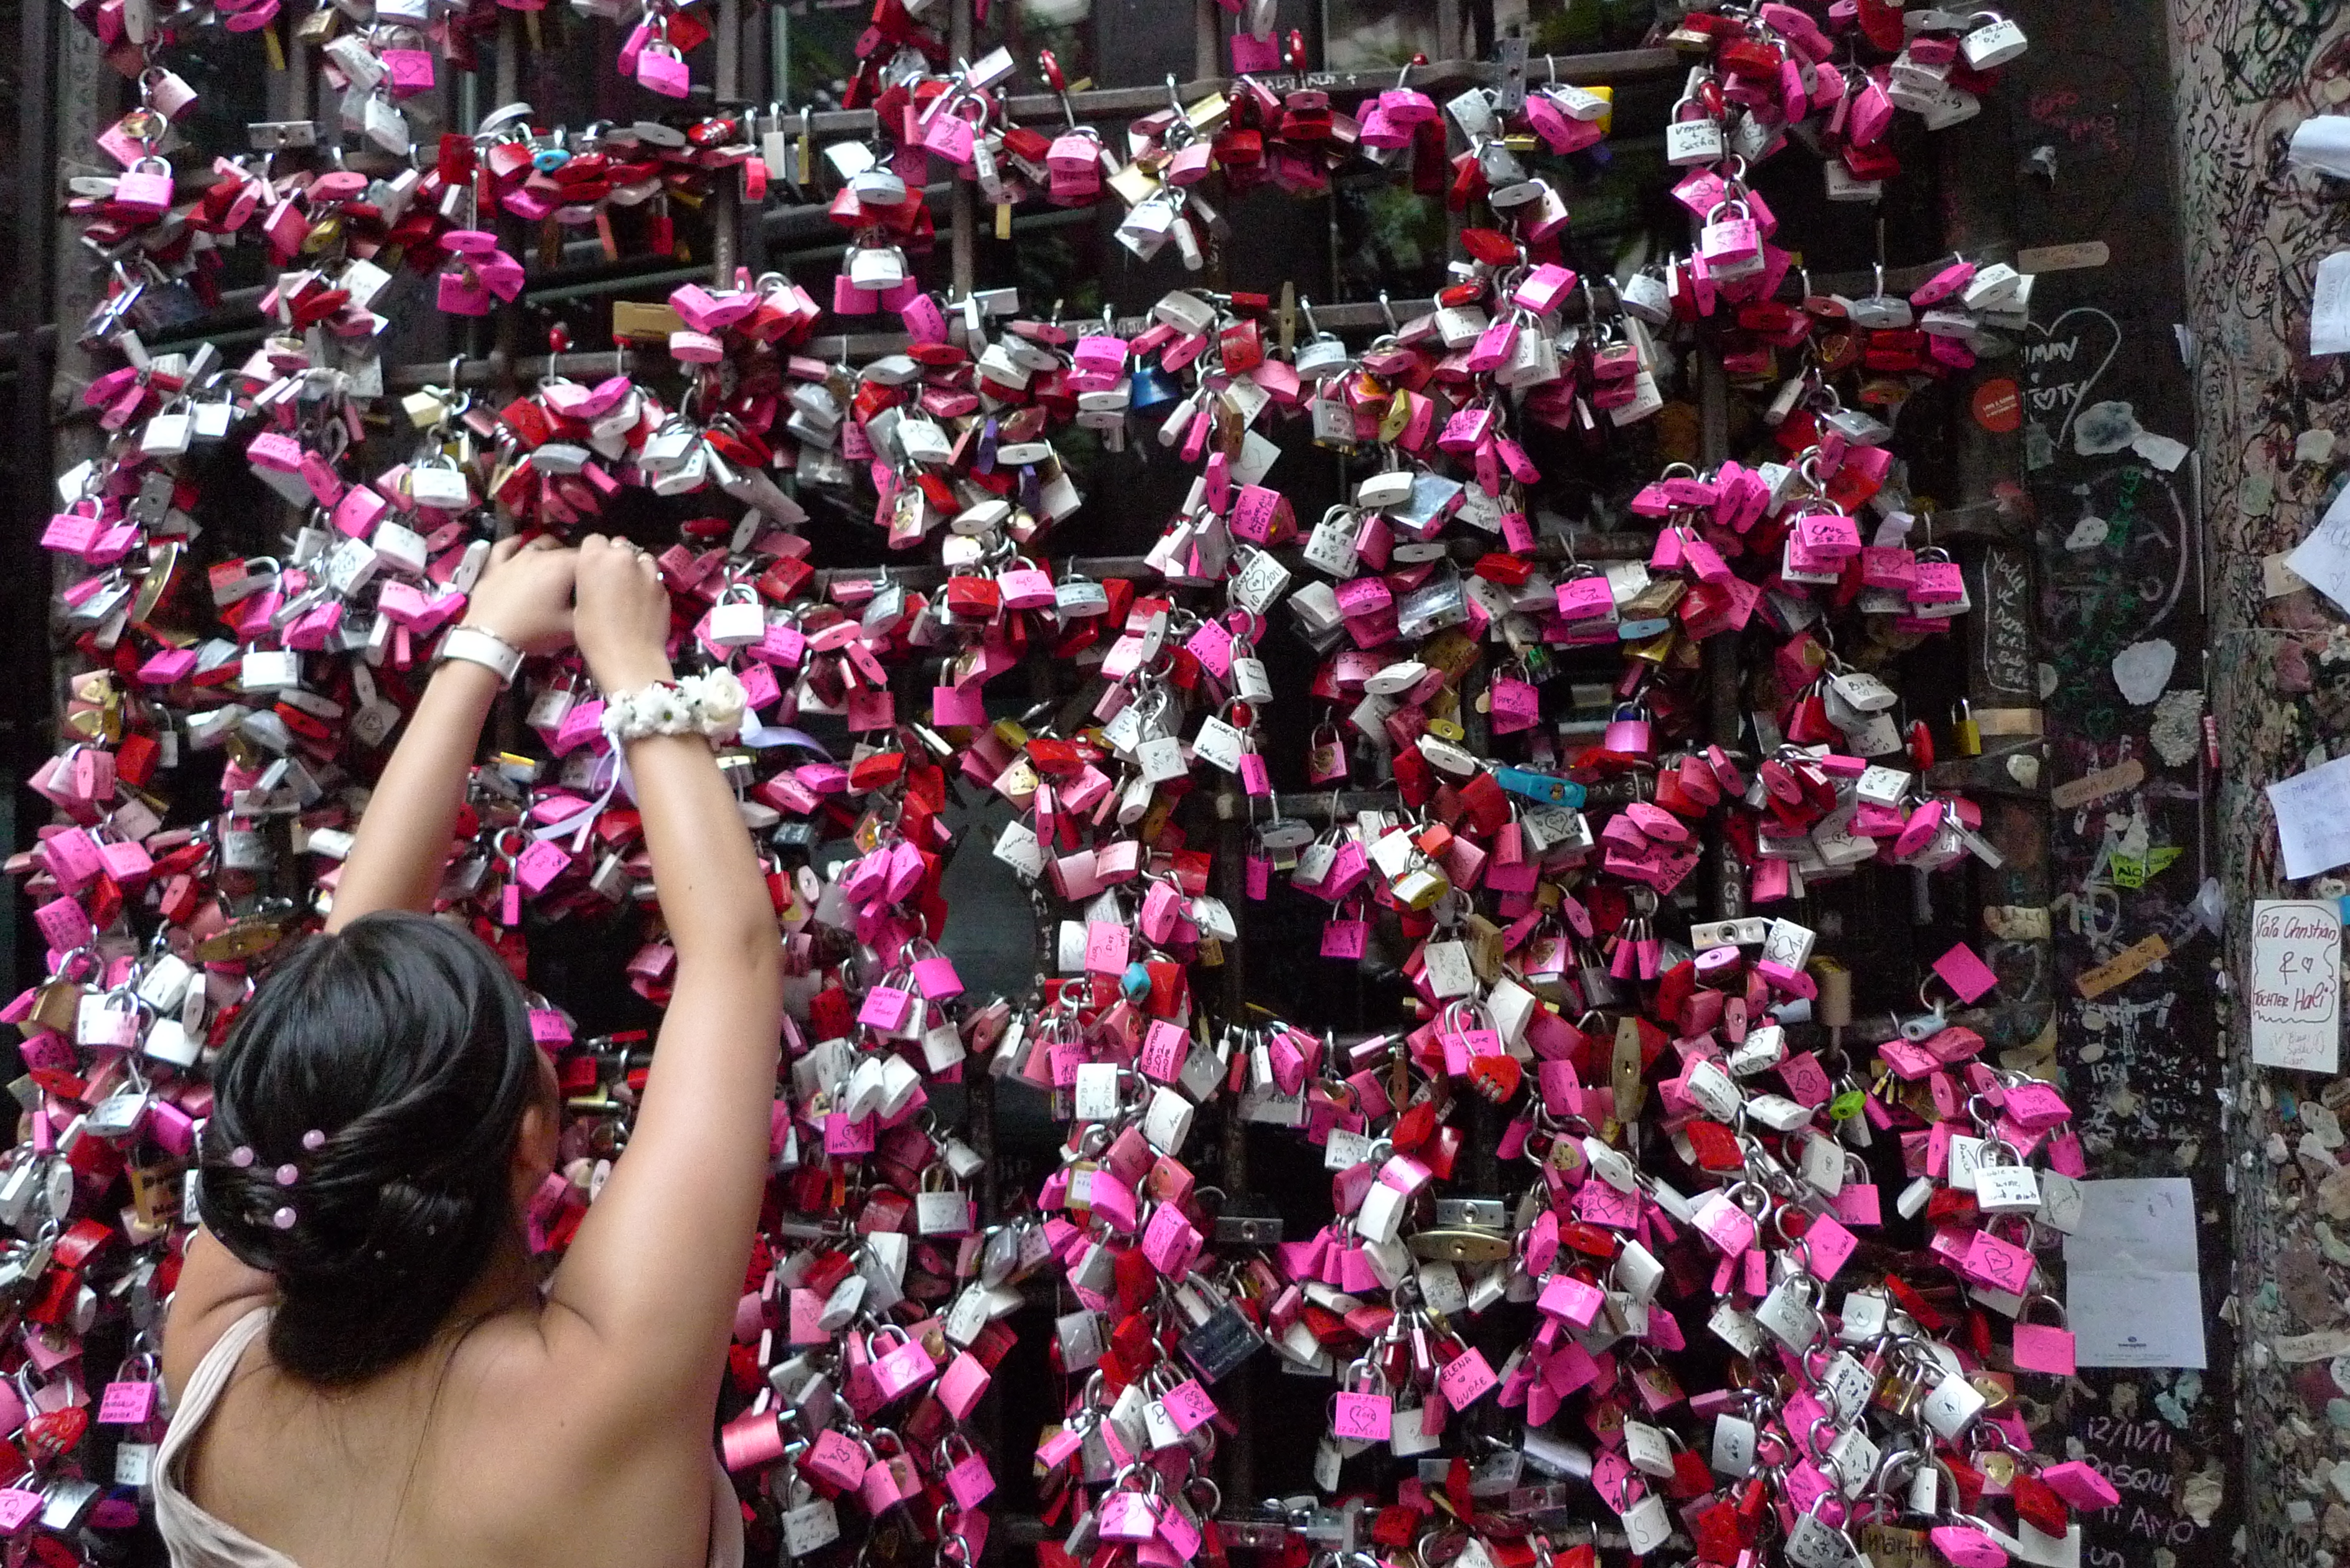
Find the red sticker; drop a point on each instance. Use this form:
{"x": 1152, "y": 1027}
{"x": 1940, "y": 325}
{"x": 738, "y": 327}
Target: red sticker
{"x": 1997, "y": 406}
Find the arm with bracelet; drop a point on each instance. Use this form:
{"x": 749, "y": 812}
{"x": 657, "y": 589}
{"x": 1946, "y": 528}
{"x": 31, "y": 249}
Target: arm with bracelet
{"x": 522, "y": 605}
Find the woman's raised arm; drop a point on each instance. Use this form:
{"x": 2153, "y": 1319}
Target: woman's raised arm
{"x": 524, "y": 600}
{"x": 656, "y": 1267}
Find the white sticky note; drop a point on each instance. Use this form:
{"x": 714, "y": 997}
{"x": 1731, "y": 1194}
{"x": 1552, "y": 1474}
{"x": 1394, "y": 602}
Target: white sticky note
{"x": 2329, "y": 309}
{"x": 2161, "y": 450}
{"x": 2321, "y": 142}
{"x": 2277, "y": 577}
{"x": 2295, "y": 984}
{"x": 2133, "y": 1290}
{"x": 2324, "y": 558}
{"x": 2312, "y": 816}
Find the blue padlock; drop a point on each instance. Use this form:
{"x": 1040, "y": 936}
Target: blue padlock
{"x": 1544, "y": 789}
{"x": 1152, "y": 389}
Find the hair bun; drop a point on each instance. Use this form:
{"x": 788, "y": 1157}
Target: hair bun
{"x": 410, "y": 1039}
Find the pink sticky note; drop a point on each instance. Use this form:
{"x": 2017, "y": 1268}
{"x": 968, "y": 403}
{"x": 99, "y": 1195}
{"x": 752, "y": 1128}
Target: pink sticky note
{"x": 1965, "y": 973}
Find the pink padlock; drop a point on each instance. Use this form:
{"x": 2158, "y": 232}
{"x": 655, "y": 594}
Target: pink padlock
{"x": 968, "y": 1480}
{"x": 837, "y": 1459}
{"x": 1073, "y": 163}
{"x": 904, "y": 1367}
{"x": 751, "y": 1442}
{"x": 406, "y": 72}
{"x": 962, "y": 1382}
{"x": 890, "y": 1480}
{"x": 885, "y": 1008}
{"x": 663, "y": 69}
{"x": 2080, "y": 1486}
{"x": 1964, "y": 1546}
{"x": 144, "y": 189}
{"x": 1628, "y": 732}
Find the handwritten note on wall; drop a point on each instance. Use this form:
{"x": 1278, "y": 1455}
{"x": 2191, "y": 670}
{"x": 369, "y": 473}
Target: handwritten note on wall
{"x": 2312, "y": 816}
{"x": 2296, "y": 984}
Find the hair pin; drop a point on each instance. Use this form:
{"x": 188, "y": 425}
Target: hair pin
{"x": 284, "y": 1217}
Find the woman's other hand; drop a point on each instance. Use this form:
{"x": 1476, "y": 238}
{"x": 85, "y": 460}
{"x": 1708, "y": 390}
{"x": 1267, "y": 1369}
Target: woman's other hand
{"x": 523, "y": 597}
{"x": 622, "y": 616}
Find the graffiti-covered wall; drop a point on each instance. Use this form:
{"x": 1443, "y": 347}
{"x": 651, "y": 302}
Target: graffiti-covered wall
{"x": 2274, "y": 439}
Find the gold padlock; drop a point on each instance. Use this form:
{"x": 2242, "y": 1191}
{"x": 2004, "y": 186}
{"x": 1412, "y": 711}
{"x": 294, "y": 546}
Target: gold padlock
{"x": 252, "y": 935}
{"x": 1420, "y": 887}
{"x": 1624, "y": 1070}
{"x": 645, "y": 319}
{"x": 58, "y": 1006}
{"x": 1451, "y": 651}
{"x": 1398, "y": 416}
{"x": 1833, "y": 1008}
{"x": 1133, "y": 184}
{"x": 1485, "y": 940}
{"x": 1208, "y": 115}
{"x": 1656, "y": 599}
{"x": 155, "y": 1193}
{"x": 425, "y": 409}
{"x": 163, "y": 563}
{"x": 1969, "y": 737}
{"x": 1460, "y": 1244}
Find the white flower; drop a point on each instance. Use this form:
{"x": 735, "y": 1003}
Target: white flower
{"x": 663, "y": 711}
{"x": 720, "y": 701}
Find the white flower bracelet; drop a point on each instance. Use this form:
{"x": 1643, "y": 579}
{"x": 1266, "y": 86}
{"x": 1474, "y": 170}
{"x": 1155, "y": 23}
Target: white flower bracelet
{"x": 709, "y": 705}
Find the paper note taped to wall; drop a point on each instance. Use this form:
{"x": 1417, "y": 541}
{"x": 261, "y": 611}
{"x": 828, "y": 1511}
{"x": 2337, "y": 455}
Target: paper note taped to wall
{"x": 2321, "y": 142}
{"x": 2297, "y": 983}
{"x": 2322, "y": 560}
{"x": 2133, "y": 1290}
{"x": 2312, "y": 816}
{"x": 2329, "y": 308}
{"x": 2296, "y": 986}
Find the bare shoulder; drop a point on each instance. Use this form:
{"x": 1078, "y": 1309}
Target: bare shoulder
{"x": 214, "y": 1292}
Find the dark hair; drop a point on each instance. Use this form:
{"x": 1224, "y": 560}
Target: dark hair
{"x": 405, "y": 1042}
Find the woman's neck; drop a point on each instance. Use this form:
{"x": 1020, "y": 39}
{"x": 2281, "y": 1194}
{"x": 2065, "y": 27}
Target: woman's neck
{"x": 508, "y": 1280}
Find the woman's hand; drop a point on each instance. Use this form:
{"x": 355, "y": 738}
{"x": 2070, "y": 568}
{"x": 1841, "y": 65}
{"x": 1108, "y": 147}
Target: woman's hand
{"x": 622, "y": 615}
{"x": 523, "y": 597}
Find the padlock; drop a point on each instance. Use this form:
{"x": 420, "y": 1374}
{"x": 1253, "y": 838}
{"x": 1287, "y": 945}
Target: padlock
{"x": 1693, "y": 136}
{"x": 662, "y": 69}
{"x": 738, "y": 619}
{"x": 1990, "y": 44}
{"x": 144, "y": 189}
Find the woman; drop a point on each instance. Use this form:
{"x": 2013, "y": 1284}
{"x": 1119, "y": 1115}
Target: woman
{"x": 367, "y": 1372}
